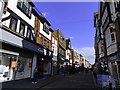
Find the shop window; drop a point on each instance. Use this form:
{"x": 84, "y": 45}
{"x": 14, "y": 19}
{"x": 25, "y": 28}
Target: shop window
{"x": 23, "y": 67}
{"x": 22, "y": 29}
{"x": 13, "y": 24}
{"x": 7, "y": 67}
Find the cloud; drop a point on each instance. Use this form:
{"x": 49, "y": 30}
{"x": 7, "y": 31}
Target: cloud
{"x": 88, "y": 53}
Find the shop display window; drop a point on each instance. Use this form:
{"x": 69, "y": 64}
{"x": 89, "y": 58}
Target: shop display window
{"x": 6, "y": 71}
{"x": 23, "y": 69}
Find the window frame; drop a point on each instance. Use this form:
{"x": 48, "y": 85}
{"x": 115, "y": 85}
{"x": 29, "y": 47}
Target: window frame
{"x": 46, "y": 28}
{"x": 24, "y": 4}
{"x": 11, "y": 22}
{"x": 20, "y": 28}
{"x": 45, "y": 43}
{"x": 28, "y": 29}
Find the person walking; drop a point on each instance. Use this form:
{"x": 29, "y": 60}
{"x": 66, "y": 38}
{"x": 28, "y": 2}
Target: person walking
{"x": 35, "y": 76}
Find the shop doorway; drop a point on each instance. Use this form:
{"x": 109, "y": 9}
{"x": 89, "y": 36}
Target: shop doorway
{"x": 40, "y": 68}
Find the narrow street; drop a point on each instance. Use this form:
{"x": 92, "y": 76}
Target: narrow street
{"x": 80, "y": 80}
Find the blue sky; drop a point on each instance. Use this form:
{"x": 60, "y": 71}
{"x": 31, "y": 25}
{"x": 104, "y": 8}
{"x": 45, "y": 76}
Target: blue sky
{"x": 75, "y": 20}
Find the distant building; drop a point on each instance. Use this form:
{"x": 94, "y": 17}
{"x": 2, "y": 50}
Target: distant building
{"x": 55, "y": 53}
{"x": 68, "y": 52}
{"x": 61, "y": 49}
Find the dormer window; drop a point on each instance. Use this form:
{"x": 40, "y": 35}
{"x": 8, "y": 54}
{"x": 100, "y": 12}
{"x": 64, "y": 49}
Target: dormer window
{"x": 25, "y": 7}
{"x": 46, "y": 28}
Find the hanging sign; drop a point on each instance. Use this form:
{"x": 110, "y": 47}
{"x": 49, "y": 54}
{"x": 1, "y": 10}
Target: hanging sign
{"x": 13, "y": 64}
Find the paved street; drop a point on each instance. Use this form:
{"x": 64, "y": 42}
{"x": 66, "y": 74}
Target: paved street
{"x": 81, "y": 80}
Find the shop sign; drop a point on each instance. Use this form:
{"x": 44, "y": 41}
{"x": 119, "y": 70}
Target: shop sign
{"x": 13, "y": 64}
{"x": 50, "y": 53}
{"x": 40, "y": 50}
{"x": 45, "y": 52}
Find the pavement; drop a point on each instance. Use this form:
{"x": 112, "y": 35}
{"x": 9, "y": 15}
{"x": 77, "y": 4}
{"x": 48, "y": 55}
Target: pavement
{"x": 27, "y": 84}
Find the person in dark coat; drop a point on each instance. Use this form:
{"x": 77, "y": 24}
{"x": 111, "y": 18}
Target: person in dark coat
{"x": 35, "y": 76}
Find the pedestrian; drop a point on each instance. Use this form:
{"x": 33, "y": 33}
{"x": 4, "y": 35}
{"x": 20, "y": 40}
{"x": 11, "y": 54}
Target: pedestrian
{"x": 64, "y": 71}
{"x": 35, "y": 76}
{"x": 95, "y": 74}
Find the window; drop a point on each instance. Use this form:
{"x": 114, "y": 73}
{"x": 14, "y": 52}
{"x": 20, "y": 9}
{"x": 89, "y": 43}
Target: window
{"x": 28, "y": 33}
{"x": 112, "y": 37}
{"x": 32, "y": 37}
{"x": 46, "y": 28}
{"x": 45, "y": 43}
{"x": 25, "y": 7}
{"x": 112, "y": 32}
{"x": 48, "y": 44}
{"x": 41, "y": 40}
{"x": 22, "y": 29}
{"x": 13, "y": 24}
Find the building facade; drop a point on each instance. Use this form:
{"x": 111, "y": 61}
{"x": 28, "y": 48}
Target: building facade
{"x": 55, "y": 53}
{"x": 68, "y": 52}
{"x": 108, "y": 22}
{"x": 17, "y": 53}
{"x": 43, "y": 34}
{"x": 61, "y": 49}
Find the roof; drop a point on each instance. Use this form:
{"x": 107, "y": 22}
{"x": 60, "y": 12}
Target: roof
{"x": 40, "y": 16}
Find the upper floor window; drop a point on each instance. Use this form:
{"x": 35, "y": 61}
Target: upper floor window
{"x": 13, "y": 24}
{"x": 112, "y": 35}
{"x": 22, "y": 29}
{"x": 25, "y": 7}
{"x": 28, "y": 33}
{"x": 45, "y": 43}
{"x": 46, "y": 28}
{"x": 41, "y": 40}
{"x": 61, "y": 38}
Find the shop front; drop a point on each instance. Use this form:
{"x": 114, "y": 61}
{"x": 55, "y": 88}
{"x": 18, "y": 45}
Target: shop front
{"x": 44, "y": 64}
{"x": 16, "y": 63}
{"x": 114, "y": 66}
{"x": 54, "y": 65}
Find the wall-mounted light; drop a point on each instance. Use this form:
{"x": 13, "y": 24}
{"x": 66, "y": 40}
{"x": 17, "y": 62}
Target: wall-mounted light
{"x": 42, "y": 58}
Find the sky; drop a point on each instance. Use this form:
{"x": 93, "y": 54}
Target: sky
{"x": 75, "y": 20}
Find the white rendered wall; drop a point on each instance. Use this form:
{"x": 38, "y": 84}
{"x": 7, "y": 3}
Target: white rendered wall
{"x": 44, "y": 33}
{"x": 12, "y": 4}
